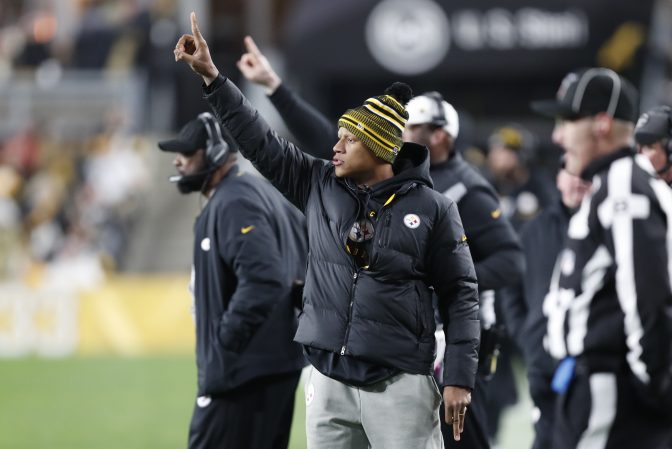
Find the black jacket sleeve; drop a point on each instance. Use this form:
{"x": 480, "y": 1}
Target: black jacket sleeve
{"x": 249, "y": 246}
{"x": 315, "y": 133}
{"x": 499, "y": 260}
{"x": 290, "y": 170}
{"x": 452, "y": 274}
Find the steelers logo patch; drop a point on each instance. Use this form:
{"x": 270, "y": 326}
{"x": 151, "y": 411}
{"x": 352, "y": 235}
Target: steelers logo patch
{"x": 411, "y": 221}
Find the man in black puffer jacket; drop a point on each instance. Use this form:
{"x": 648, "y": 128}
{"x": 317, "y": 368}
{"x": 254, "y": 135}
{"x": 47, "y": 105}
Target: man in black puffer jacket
{"x": 379, "y": 240}
{"x": 494, "y": 246}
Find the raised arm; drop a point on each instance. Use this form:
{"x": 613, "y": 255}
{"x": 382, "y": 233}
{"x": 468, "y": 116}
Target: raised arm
{"x": 288, "y": 168}
{"x": 315, "y": 133}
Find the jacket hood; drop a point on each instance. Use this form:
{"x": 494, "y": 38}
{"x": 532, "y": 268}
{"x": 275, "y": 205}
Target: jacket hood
{"x": 411, "y": 166}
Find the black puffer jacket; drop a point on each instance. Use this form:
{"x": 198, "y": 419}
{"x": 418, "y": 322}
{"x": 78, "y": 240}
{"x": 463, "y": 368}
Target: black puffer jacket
{"x": 382, "y": 314}
{"x": 249, "y": 248}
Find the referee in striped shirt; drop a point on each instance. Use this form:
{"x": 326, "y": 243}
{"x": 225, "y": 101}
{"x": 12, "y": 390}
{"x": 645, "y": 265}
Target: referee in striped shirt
{"x": 609, "y": 305}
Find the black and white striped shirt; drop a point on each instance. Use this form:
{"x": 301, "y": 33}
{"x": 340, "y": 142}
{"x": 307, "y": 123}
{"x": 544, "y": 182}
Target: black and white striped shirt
{"x": 610, "y": 299}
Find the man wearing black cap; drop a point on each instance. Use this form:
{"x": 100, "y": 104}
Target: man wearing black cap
{"x": 653, "y": 135}
{"x": 249, "y": 250}
{"x": 609, "y": 301}
{"x": 380, "y": 239}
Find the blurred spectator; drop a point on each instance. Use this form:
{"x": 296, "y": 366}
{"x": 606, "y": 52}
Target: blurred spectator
{"x": 653, "y": 135}
{"x": 22, "y": 151}
{"x": 60, "y": 200}
{"x": 10, "y": 221}
{"x": 524, "y": 190}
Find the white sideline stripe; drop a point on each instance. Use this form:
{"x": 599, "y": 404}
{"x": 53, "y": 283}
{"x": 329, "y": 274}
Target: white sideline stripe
{"x": 603, "y": 393}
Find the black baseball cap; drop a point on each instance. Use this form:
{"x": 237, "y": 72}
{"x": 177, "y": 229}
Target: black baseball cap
{"x": 654, "y": 125}
{"x": 192, "y": 137}
{"x": 587, "y": 92}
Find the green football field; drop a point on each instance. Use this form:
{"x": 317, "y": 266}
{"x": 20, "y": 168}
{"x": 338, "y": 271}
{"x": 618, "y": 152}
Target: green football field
{"x": 129, "y": 403}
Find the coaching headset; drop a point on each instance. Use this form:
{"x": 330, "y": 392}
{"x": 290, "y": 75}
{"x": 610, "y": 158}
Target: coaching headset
{"x": 653, "y": 126}
{"x": 217, "y": 151}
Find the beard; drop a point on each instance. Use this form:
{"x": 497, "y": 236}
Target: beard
{"x": 195, "y": 182}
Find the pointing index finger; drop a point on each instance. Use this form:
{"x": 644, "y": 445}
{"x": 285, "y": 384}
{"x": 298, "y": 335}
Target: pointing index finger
{"x": 194, "y": 28}
{"x": 251, "y": 46}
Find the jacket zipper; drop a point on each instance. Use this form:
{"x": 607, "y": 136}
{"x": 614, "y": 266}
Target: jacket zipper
{"x": 385, "y": 232}
{"x": 355, "y": 276}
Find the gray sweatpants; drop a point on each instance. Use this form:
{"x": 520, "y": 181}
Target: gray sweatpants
{"x": 398, "y": 413}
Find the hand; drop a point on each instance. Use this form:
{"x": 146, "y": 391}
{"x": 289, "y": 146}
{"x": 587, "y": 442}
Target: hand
{"x": 456, "y": 400}
{"x": 255, "y": 67}
{"x": 193, "y": 49}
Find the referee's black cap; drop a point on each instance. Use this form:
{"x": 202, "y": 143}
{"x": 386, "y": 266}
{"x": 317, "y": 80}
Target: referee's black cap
{"x": 588, "y": 92}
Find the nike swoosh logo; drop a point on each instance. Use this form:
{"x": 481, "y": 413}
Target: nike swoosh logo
{"x": 496, "y": 213}
{"x": 246, "y": 229}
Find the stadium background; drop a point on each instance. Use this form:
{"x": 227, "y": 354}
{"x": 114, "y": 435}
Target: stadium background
{"x": 96, "y": 337}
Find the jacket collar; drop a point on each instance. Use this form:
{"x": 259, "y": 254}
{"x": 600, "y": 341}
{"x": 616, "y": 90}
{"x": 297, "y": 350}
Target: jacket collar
{"x": 411, "y": 168}
{"x": 453, "y": 160}
{"x": 603, "y": 162}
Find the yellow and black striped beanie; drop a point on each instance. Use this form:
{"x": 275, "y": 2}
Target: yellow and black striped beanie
{"x": 379, "y": 122}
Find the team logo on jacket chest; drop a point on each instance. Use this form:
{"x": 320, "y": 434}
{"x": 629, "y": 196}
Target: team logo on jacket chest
{"x": 205, "y": 244}
{"x": 411, "y": 221}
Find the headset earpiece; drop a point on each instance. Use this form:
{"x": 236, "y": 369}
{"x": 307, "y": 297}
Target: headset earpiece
{"x": 217, "y": 150}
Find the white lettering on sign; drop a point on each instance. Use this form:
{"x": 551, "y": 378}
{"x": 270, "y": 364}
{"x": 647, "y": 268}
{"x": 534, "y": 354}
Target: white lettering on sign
{"x": 527, "y": 28}
{"x": 414, "y": 37}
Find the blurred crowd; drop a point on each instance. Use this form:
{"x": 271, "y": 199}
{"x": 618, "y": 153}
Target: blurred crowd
{"x": 71, "y": 193}
{"x": 68, "y": 204}
{"x": 86, "y": 34}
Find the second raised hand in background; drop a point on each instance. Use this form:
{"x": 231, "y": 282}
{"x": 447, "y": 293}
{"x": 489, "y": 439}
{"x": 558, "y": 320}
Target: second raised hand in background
{"x": 256, "y": 68}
